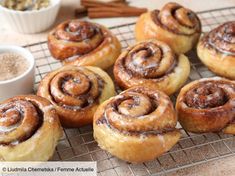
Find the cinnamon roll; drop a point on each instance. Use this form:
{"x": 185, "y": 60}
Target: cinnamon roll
{"x": 153, "y": 64}
{"x": 217, "y": 50}
{"x": 76, "y": 92}
{"x": 84, "y": 43}
{"x": 136, "y": 126}
{"x": 179, "y": 27}
{"x": 29, "y": 129}
{"x": 207, "y": 105}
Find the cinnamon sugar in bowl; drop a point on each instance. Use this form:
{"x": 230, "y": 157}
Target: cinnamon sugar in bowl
{"x": 17, "y": 70}
{"x": 12, "y": 65}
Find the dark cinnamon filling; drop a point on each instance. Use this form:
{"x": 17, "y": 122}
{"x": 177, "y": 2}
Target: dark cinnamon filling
{"x": 77, "y": 31}
{"x": 103, "y": 121}
{"x": 206, "y": 95}
{"x": 18, "y": 114}
{"x": 79, "y": 91}
{"x": 192, "y": 17}
{"x": 144, "y": 60}
{"x": 83, "y": 37}
{"x": 10, "y": 115}
{"x": 130, "y": 103}
{"x": 222, "y": 39}
{"x": 69, "y": 84}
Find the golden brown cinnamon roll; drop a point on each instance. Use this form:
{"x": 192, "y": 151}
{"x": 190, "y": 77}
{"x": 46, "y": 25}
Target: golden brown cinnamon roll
{"x": 29, "y": 129}
{"x": 76, "y": 92}
{"x": 179, "y": 27}
{"x": 84, "y": 43}
{"x": 136, "y": 126}
{"x": 217, "y": 50}
{"x": 207, "y": 105}
{"x": 153, "y": 64}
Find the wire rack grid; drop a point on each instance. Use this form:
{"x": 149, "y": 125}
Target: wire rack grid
{"x": 192, "y": 149}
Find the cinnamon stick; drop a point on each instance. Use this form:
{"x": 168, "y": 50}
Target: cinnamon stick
{"x": 89, "y": 4}
{"x": 110, "y": 15}
{"x": 109, "y": 8}
{"x": 126, "y": 10}
{"x": 103, "y": 1}
{"x": 108, "y": 12}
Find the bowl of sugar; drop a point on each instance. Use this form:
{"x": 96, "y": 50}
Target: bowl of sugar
{"x": 17, "y": 71}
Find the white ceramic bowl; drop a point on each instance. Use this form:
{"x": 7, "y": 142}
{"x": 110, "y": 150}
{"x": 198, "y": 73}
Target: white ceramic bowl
{"x": 22, "y": 84}
{"x": 33, "y": 21}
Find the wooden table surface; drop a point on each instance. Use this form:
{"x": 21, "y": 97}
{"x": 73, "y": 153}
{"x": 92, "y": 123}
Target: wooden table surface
{"x": 220, "y": 167}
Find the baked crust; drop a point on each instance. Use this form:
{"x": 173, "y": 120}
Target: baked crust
{"x": 29, "y": 129}
{"x": 216, "y": 50}
{"x": 181, "y": 31}
{"x": 152, "y": 64}
{"x": 84, "y": 43}
{"x": 76, "y": 92}
{"x": 132, "y": 127}
{"x": 207, "y": 105}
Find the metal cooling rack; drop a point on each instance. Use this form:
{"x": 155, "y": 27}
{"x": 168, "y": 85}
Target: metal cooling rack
{"x": 192, "y": 149}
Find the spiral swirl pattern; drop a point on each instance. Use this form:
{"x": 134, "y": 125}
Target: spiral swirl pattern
{"x": 177, "y": 19}
{"x": 18, "y": 121}
{"x": 137, "y": 125}
{"x": 174, "y": 24}
{"x": 216, "y": 50}
{"x": 151, "y": 62}
{"x": 222, "y": 38}
{"x": 207, "y": 105}
{"x": 84, "y": 36}
{"x": 28, "y": 124}
{"x": 21, "y": 117}
{"x": 75, "y": 89}
{"x": 76, "y": 92}
{"x": 140, "y": 110}
{"x": 83, "y": 43}
{"x": 206, "y": 96}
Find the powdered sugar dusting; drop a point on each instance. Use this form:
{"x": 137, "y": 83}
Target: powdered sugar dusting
{"x": 119, "y": 96}
{"x": 228, "y": 88}
{"x": 183, "y": 105}
{"x": 10, "y": 128}
{"x": 112, "y": 46}
{"x": 48, "y": 108}
{"x": 162, "y": 140}
{"x": 163, "y": 105}
{"x": 15, "y": 143}
{"x": 195, "y": 96}
{"x": 216, "y": 78}
{"x": 51, "y": 120}
{"x": 3, "y": 119}
{"x": 143, "y": 137}
{"x": 178, "y": 70}
{"x": 109, "y": 39}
